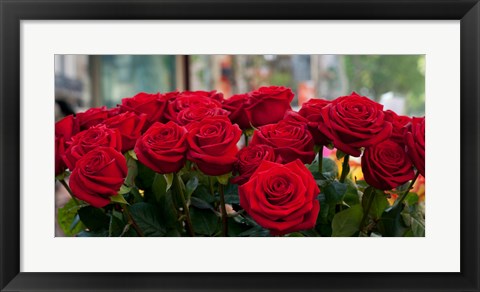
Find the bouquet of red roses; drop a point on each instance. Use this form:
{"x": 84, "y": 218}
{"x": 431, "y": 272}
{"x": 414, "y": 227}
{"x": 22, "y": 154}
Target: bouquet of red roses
{"x": 195, "y": 164}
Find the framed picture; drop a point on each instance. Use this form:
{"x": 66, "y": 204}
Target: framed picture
{"x": 350, "y": 107}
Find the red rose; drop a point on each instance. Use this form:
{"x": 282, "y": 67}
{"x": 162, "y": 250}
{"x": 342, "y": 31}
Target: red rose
{"x": 59, "y": 152}
{"x": 267, "y": 105}
{"x": 198, "y": 113}
{"x": 90, "y": 139}
{"x": 354, "y": 121}
{"x": 99, "y": 175}
{"x": 236, "y": 106}
{"x": 114, "y": 111}
{"x": 151, "y": 104}
{"x": 291, "y": 140}
{"x": 67, "y": 127}
{"x": 249, "y": 158}
{"x": 295, "y": 117}
{"x": 399, "y": 124}
{"x": 312, "y": 111}
{"x": 64, "y": 130}
{"x": 188, "y": 99}
{"x": 213, "y": 144}
{"x": 415, "y": 141}
{"x": 282, "y": 198}
{"x": 92, "y": 117}
{"x": 386, "y": 166}
{"x": 163, "y": 147}
{"x": 129, "y": 125}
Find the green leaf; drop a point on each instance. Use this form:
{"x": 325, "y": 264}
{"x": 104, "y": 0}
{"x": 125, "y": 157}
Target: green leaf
{"x": 418, "y": 227}
{"x": 145, "y": 177}
{"x": 411, "y": 199}
{"x": 361, "y": 185}
{"x": 132, "y": 170}
{"x": 335, "y": 192}
{"x": 310, "y": 233}
{"x": 202, "y": 192}
{"x": 117, "y": 225}
{"x": 132, "y": 154}
{"x": 169, "y": 212}
{"x": 69, "y": 220}
{"x": 94, "y": 219}
{"x": 235, "y": 228}
{"x": 351, "y": 194}
{"x": 347, "y": 222}
{"x": 124, "y": 190}
{"x": 391, "y": 223}
{"x": 325, "y": 230}
{"x": 204, "y": 222}
{"x": 159, "y": 187}
{"x": 62, "y": 175}
{"x": 191, "y": 186}
{"x": 324, "y": 209}
{"x": 119, "y": 199}
{"x": 223, "y": 179}
{"x": 329, "y": 169}
{"x": 146, "y": 216}
{"x": 200, "y": 204}
{"x": 379, "y": 203}
{"x": 169, "y": 180}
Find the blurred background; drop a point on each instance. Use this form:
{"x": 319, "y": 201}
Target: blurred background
{"x": 84, "y": 81}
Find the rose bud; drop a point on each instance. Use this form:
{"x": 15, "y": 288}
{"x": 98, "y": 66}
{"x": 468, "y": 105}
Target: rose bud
{"x": 98, "y": 175}
{"x": 130, "y": 126}
{"x": 354, "y": 121}
{"x": 249, "y": 158}
{"x": 312, "y": 111}
{"x": 151, "y": 104}
{"x": 281, "y": 198}
{"x": 386, "y": 166}
{"x": 290, "y": 140}
{"x": 267, "y": 105}
{"x": 163, "y": 147}
{"x": 86, "y": 141}
{"x": 415, "y": 141}
{"x": 213, "y": 144}
{"x": 236, "y": 106}
{"x": 92, "y": 117}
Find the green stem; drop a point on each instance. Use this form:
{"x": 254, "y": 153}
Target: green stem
{"x": 188, "y": 220}
{"x": 320, "y": 160}
{"x": 400, "y": 200}
{"x": 345, "y": 168}
{"x": 212, "y": 192}
{"x": 224, "y": 211}
{"x": 65, "y": 185}
{"x": 367, "y": 210}
{"x": 246, "y": 138}
{"x": 132, "y": 221}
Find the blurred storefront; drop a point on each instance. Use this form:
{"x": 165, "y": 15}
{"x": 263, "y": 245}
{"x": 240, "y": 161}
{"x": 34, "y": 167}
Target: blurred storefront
{"x": 83, "y": 81}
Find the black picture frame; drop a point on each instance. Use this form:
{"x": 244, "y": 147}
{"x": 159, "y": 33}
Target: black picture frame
{"x": 13, "y": 11}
